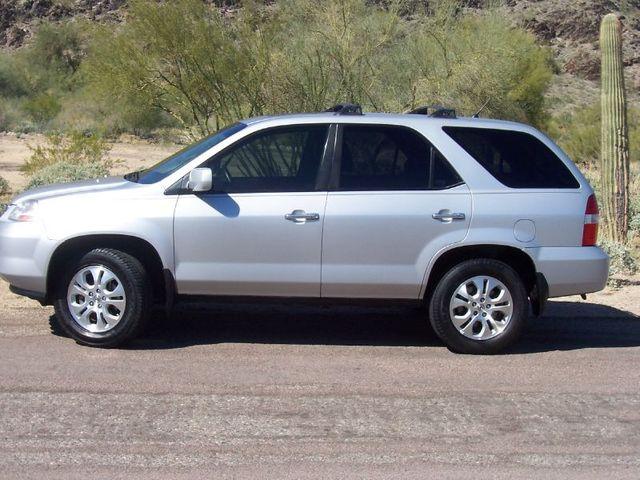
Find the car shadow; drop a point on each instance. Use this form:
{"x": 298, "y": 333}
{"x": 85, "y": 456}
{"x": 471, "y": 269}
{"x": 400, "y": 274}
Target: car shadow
{"x": 564, "y": 326}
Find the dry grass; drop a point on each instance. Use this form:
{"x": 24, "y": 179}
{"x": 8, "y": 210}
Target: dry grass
{"x": 134, "y": 155}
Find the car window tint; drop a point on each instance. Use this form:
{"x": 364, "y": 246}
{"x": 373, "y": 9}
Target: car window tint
{"x": 516, "y": 159}
{"x": 277, "y": 160}
{"x": 376, "y": 157}
{"x": 184, "y": 156}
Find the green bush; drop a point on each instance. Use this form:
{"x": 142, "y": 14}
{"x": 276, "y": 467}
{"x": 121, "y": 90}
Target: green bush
{"x": 634, "y": 208}
{"x": 7, "y": 115}
{"x": 578, "y": 133}
{"x": 59, "y": 46}
{"x": 204, "y": 70}
{"x": 4, "y": 187}
{"x": 179, "y": 57}
{"x": 73, "y": 149}
{"x": 12, "y": 83}
{"x": 634, "y": 223}
{"x": 622, "y": 259}
{"x": 467, "y": 60}
{"x": 42, "y": 75}
{"x": 62, "y": 172}
{"x": 42, "y": 108}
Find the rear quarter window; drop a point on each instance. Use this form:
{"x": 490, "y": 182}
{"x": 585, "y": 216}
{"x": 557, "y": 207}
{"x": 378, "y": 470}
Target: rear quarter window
{"x": 515, "y": 159}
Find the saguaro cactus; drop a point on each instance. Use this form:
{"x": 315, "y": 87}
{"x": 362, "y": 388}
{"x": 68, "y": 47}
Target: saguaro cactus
{"x": 615, "y": 136}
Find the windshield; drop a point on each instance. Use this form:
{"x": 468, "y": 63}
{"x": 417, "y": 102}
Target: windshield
{"x": 174, "y": 162}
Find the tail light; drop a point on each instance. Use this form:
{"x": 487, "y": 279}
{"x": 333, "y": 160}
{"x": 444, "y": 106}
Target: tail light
{"x": 591, "y": 220}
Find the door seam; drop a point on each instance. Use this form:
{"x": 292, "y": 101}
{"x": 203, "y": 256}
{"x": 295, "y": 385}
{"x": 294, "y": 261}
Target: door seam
{"x": 324, "y": 218}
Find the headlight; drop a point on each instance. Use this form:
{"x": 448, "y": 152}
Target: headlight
{"x": 23, "y": 211}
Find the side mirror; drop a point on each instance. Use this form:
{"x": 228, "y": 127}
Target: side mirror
{"x": 200, "y": 180}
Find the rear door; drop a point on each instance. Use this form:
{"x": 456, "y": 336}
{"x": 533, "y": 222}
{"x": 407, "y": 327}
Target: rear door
{"x": 394, "y": 202}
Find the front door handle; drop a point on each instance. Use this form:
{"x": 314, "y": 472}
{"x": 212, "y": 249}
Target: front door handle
{"x": 300, "y": 216}
{"x": 447, "y": 216}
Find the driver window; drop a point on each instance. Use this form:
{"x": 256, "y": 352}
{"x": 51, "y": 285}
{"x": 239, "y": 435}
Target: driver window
{"x": 276, "y": 160}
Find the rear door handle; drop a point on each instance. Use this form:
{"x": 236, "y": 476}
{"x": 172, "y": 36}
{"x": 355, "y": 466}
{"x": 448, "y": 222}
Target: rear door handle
{"x": 447, "y": 216}
{"x": 300, "y": 216}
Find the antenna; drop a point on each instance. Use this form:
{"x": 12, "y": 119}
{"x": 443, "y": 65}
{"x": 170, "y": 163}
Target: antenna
{"x": 477, "y": 114}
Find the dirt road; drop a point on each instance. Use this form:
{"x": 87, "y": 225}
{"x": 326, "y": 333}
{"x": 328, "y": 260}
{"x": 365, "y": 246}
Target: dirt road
{"x": 244, "y": 392}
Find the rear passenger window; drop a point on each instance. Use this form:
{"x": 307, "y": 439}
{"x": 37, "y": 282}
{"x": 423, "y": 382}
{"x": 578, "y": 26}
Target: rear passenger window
{"x": 516, "y": 159}
{"x": 391, "y": 158}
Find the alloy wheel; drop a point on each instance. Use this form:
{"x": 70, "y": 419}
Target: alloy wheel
{"x": 481, "y": 307}
{"x": 96, "y": 298}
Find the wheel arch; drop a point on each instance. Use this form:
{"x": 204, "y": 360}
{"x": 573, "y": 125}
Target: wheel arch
{"x": 516, "y": 258}
{"x": 74, "y": 248}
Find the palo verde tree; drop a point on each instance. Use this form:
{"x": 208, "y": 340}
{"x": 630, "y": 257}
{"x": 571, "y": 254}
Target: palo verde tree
{"x": 185, "y": 59}
{"x": 205, "y": 68}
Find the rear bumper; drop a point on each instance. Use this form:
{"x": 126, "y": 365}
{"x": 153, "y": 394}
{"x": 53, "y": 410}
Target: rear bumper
{"x": 571, "y": 270}
{"x": 24, "y": 256}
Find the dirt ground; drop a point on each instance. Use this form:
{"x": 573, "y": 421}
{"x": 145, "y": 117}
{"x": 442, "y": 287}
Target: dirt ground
{"x": 240, "y": 391}
{"x": 135, "y": 155}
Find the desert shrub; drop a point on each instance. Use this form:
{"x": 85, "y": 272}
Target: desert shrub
{"x": 50, "y": 61}
{"x": 9, "y": 114}
{"x": 11, "y": 82}
{"x": 4, "y": 187}
{"x": 578, "y": 133}
{"x": 60, "y": 46}
{"x": 332, "y": 51}
{"x": 204, "y": 70}
{"x": 39, "y": 77}
{"x": 73, "y": 149}
{"x": 467, "y": 60}
{"x": 622, "y": 258}
{"x": 61, "y": 172}
{"x": 634, "y": 223}
{"x": 634, "y": 207}
{"x": 182, "y": 58}
{"x": 42, "y": 108}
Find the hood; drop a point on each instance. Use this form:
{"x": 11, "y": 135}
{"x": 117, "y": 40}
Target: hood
{"x": 61, "y": 189}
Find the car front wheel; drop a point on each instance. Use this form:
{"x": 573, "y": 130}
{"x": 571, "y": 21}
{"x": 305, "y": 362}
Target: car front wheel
{"x": 104, "y": 299}
{"x": 479, "y": 307}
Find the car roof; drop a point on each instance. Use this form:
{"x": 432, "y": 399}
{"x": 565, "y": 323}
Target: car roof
{"x": 407, "y": 119}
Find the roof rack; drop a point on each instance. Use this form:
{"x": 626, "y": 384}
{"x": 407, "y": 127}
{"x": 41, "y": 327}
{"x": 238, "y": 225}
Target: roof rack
{"x": 435, "y": 111}
{"x": 345, "y": 109}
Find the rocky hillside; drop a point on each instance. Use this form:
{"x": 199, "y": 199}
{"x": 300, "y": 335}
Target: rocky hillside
{"x": 19, "y": 17}
{"x": 571, "y": 28}
{"x": 568, "y": 27}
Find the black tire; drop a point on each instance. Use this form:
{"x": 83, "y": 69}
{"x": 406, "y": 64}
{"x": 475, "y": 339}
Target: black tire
{"x": 439, "y": 315}
{"x": 136, "y": 285}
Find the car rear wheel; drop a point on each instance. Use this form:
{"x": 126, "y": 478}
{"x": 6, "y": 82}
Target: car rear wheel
{"x": 105, "y": 298}
{"x": 479, "y": 307}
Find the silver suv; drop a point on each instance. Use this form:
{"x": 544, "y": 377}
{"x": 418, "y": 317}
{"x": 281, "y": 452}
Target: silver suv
{"x": 479, "y": 220}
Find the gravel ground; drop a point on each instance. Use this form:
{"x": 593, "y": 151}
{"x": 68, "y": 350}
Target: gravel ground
{"x": 238, "y": 391}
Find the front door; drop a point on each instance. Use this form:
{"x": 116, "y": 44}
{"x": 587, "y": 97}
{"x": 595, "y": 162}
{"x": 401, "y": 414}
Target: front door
{"x": 259, "y": 231}
{"x": 397, "y": 202}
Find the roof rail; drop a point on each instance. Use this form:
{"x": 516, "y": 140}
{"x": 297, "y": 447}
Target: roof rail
{"x": 345, "y": 109}
{"x": 435, "y": 111}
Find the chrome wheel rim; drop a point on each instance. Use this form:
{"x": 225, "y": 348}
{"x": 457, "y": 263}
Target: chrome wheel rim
{"x": 96, "y": 298}
{"x": 481, "y": 307}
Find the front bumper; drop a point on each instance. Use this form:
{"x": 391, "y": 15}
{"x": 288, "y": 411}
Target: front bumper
{"x": 24, "y": 256}
{"x": 571, "y": 270}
